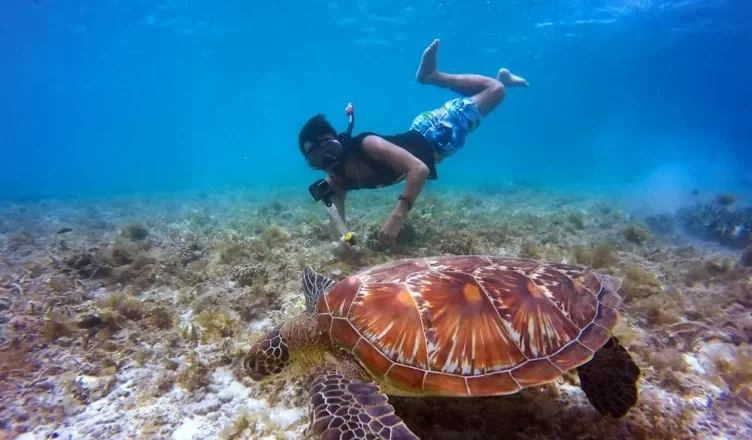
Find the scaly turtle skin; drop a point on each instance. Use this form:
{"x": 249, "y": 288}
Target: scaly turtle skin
{"x": 446, "y": 326}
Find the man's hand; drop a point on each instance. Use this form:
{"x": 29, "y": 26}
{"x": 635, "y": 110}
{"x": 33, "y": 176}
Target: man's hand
{"x": 390, "y": 229}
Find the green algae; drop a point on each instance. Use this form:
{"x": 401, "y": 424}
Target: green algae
{"x": 193, "y": 374}
{"x": 530, "y": 249}
{"x": 637, "y": 234}
{"x": 639, "y": 283}
{"x": 601, "y": 256}
{"x": 135, "y": 231}
{"x": 214, "y": 325}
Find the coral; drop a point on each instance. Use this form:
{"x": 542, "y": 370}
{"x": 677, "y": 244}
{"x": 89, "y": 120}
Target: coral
{"x": 249, "y": 274}
{"x": 713, "y": 222}
{"x": 188, "y": 254}
{"x": 700, "y": 220}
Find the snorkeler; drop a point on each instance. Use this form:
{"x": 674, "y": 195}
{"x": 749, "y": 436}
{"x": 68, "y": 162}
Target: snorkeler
{"x": 369, "y": 160}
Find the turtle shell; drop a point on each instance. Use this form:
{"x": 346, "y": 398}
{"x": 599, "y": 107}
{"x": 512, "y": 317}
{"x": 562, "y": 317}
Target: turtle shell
{"x": 470, "y": 325}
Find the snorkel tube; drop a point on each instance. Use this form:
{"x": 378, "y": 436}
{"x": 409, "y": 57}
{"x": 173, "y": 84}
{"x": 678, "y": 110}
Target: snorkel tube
{"x": 321, "y": 190}
{"x": 350, "y": 112}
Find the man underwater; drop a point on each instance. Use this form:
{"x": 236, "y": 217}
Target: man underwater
{"x": 370, "y": 160}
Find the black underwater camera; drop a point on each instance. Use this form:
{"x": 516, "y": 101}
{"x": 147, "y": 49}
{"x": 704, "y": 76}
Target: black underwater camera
{"x": 321, "y": 190}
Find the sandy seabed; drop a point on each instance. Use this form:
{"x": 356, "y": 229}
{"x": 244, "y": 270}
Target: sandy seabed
{"x": 128, "y": 317}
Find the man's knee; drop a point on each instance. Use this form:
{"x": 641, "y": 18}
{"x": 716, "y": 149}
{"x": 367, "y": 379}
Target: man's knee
{"x": 497, "y": 90}
{"x": 490, "y": 97}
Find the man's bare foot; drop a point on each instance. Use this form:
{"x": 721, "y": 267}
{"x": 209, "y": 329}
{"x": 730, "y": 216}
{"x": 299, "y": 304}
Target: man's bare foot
{"x": 427, "y": 68}
{"x": 510, "y": 80}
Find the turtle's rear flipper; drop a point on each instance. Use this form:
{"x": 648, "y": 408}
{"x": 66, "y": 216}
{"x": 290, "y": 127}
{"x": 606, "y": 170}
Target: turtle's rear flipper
{"x": 341, "y": 408}
{"x": 609, "y": 380}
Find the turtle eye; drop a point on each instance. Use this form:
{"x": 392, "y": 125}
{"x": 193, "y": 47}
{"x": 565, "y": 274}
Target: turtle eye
{"x": 251, "y": 363}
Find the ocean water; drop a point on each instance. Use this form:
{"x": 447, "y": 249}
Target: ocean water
{"x": 155, "y": 218}
{"x": 106, "y": 97}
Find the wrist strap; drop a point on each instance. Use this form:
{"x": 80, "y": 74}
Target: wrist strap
{"x": 407, "y": 200}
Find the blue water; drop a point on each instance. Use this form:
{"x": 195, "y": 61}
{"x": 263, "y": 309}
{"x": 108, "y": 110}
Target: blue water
{"x": 106, "y": 96}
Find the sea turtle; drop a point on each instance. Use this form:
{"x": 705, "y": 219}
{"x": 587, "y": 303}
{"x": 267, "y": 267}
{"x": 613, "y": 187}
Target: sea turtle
{"x": 446, "y": 326}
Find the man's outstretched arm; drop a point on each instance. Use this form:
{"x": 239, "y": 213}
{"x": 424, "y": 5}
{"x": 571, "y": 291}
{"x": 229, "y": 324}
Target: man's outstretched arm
{"x": 400, "y": 160}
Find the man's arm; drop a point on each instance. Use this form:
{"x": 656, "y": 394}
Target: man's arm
{"x": 400, "y": 160}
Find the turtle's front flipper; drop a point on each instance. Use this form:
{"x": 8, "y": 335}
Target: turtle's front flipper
{"x": 314, "y": 285}
{"x": 342, "y": 408}
{"x": 609, "y": 380}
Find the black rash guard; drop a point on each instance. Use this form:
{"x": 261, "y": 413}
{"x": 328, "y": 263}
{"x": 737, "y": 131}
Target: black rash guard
{"x": 411, "y": 141}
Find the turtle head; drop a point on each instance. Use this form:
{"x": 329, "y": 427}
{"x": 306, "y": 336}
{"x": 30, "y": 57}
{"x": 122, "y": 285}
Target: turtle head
{"x": 269, "y": 358}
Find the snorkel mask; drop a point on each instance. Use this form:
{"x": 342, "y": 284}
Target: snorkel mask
{"x": 329, "y": 149}
{"x": 327, "y": 152}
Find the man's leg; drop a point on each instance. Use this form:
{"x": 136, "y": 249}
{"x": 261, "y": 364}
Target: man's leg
{"x": 486, "y": 92}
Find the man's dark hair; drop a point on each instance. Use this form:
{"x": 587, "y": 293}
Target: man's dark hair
{"x": 313, "y": 129}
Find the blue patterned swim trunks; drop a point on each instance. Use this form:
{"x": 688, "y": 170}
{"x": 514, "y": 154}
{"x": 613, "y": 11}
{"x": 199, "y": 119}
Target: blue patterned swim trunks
{"x": 447, "y": 127}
